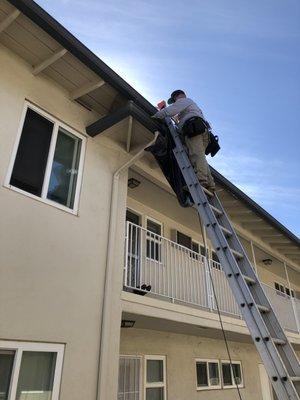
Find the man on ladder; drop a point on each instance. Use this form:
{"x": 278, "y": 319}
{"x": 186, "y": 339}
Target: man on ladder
{"x": 195, "y": 130}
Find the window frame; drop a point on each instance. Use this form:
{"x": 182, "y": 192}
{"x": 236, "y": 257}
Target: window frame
{"x": 208, "y": 387}
{"x": 159, "y": 242}
{"x": 155, "y": 384}
{"x": 241, "y": 385}
{"x": 56, "y": 125}
{"x": 19, "y": 348}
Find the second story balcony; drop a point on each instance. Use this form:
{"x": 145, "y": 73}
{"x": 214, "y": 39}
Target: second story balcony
{"x": 158, "y": 267}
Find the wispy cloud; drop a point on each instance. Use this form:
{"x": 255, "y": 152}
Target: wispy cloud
{"x": 268, "y": 182}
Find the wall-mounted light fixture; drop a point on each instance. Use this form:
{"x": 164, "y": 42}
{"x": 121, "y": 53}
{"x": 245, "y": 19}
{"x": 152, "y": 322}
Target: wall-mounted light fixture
{"x": 127, "y": 323}
{"x": 133, "y": 183}
{"x": 267, "y": 261}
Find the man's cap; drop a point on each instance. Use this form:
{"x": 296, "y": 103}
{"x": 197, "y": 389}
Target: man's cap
{"x": 174, "y": 95}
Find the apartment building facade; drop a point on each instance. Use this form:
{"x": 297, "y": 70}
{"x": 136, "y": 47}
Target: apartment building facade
{"x": 105, "y": 292}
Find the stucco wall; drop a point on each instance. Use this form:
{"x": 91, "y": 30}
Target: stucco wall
{"x": 52, "y": 263}
{"x": 181, "y": 351}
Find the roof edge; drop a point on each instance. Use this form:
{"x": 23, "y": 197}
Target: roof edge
{"x": 65, "y": 38}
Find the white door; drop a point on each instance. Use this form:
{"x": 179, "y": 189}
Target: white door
{"x": 266, "y": 388}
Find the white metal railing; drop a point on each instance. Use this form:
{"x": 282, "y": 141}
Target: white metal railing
{"x": 161, "y": 267}
{"x": 173, "y": 271}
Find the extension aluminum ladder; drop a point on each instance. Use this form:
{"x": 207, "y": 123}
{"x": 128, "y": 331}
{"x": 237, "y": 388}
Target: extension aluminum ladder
{"x": 275, "y": 350}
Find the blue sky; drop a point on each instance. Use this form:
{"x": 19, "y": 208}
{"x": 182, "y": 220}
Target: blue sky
{"x": 238, "y": 60}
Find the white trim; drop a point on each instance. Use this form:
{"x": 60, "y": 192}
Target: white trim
{"x": 56, "y": 125}
{"x": 209, "y": 386}
{"x": 162, "y": 384}
{"x": 19, "y": 347}
{"x": 241, "y": 385}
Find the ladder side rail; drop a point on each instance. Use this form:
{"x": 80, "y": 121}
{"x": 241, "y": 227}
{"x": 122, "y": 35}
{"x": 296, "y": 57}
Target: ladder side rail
{"x": 270, "y": 318}
{"x": 207, "y": 215}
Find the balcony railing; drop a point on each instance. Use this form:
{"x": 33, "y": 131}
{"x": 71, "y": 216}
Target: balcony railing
{"x": 159, "y": 267}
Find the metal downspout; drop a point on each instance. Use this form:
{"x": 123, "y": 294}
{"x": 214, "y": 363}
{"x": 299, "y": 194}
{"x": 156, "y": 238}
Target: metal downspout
{"x": 108, "y": 284}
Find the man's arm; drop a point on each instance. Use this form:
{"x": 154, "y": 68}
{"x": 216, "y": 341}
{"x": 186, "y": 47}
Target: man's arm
{"x": 173, "y": 109}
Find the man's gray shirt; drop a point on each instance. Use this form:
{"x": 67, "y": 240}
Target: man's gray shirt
{"x": 184, "y": 108}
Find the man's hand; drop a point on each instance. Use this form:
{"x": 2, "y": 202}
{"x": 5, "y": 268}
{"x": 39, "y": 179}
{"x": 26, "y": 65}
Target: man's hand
{"x": 156, "y": 116}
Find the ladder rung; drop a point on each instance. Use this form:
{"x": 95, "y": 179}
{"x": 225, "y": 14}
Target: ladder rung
{"x": 216, "y": 210}
{"x": 295, "y": 378}
{"x": 263, "y": 309}
{"x": 226, "y": 231}
{"x": 208, "y": 192}
{"x": 248, "y": 279}
{"x": 278, "y": 341}
{"x": 236, "y": 253}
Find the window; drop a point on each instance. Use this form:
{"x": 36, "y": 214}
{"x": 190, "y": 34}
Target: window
{"x": 129, "y": 378}
{"x": 232, "y": 374}
{"x": 283, "y": 290}
{"x": 48, "y": 160}
{"x": 208, "y": 374}
{"x": 154, "y": 231}
{"x": 186, "y": 241}
{"x": 155, "y": 378}
{"x": 30, "y": 370}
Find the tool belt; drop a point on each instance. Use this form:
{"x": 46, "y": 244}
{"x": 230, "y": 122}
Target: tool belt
{"x": 195, "y": 126}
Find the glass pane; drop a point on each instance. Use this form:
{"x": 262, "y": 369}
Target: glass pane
{"x": 202, "y": 378}
{"x": 62, "y": 185}
{"x": 154, "y": 394}
{"x": 184, "y": 240}
{"x": 32, "y": 155}
{"x": 195, "y": 247}
{"x": 36, "y": 376}
{"x": 6, "y": 365}
{"x": 237, "y": 374}
{"x": 153, "y": 227}
{"x": 215, "y": 257}
{"x": 155, "y": 371}
{"x": 214, "y": 378}
{"x": 132, "y": 217}
{"x": 226, "y": 371}
{"x": 129, "y": 378}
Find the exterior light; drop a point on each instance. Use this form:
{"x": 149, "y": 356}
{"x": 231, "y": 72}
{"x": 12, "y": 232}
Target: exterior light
{"x": 267, "y": 261}
{"x": 127, "y": 323}
{"x": 133, "y": 183}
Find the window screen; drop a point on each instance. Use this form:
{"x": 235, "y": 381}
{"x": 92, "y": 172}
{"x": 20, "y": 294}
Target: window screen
{"x": 132, "y": 217}
{"x": 153, "y": 240}
{"x": 226, "y": 372}
{"x": 32, "y": 154}
{"x": 6, "y": 366}
{"x": 36, "y": 375}
{"x": 202, "y": 376}
{"x": 184, "y": 240}
{"x": 64, "y": 170}
{"x": 237, "y": 373}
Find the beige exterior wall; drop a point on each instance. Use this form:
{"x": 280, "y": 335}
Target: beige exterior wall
{"x": 52, "y": 263}
{"x": 181, "y": 352}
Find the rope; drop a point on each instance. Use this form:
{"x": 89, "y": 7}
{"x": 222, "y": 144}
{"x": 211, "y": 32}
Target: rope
{"x": 218, "y": 308}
